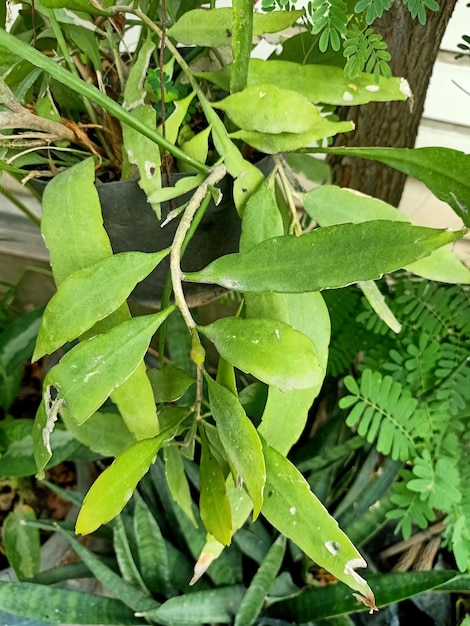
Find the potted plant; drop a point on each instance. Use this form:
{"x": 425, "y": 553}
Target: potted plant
{"x": 273, "y": 352}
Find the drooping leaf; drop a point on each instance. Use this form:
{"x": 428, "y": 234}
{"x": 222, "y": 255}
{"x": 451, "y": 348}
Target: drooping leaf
{"x": 78, "y": 303}
{"x": 114, "y": 487}
{"x": 325, "y": 258}
{"x": 213, "y": 503}
{"x": 292, "y": 508}
{"x": 240, "y": 440}
{"x": 443, "y": 170}
{"x": 21, "y": 542}
{"x": 272, "y": 351}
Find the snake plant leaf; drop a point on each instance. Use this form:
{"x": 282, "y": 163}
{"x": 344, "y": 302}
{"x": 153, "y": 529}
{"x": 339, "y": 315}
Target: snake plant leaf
{"x": 213, "y": 27}
{"x": 443, "y": 170}
{"x": 87, "y": 374}
{"x": 114, "y": 487}
{"x": 256, "y": 593}
{"x": 210, "y": 606}
{"x": 268, "y": 109}
{"x": 125, "y": 557}
{"x": 318, "y": 83}
{"x": 287, "y": 142}
{"x": 21, "y": 542}
{"x": 331, "y": 205}
{"x": 240, "y": 440}
{"x": 52, "y": 604}
{"x": 78, "y": 303}
{"x": 213, "y": 503}
{"x": 177, "y": 480}
{"x": 270, "y": 350}
{"x": 325, "y": 258}
{"x": 72, "y": 201}
{"x": 293, "y": 509}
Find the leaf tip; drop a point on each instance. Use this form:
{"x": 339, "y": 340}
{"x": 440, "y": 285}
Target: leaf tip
{"x": 202, "y": 564}
{"x": 366, "y": 595}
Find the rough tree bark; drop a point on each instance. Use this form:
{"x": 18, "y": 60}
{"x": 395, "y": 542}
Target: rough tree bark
{"x": 414, "y": 50}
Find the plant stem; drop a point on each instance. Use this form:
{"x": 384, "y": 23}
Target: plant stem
{"x": 242, "y": 41}
{"x": 295, "y": 227}
{"x": 183, "y": 227}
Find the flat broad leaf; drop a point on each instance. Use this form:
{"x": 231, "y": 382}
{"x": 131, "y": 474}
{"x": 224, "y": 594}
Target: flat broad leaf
{"x": 169, "y": 383}
{"x": 87, "y": 374}
{"x": 330, "y": 205}
{"x": 114, "y": 487}
{"x": 182, "y": 186}
{"x": 21, "y": 542}
{"x": 268, "y": 109}
{"x": 443, "y": 170}
{"x": 325, "y": 258}
{"x": 270, "y": 350}
{"x": 294, "y": 510}
{"x": 213, "y": 502}
{"x": 214, "y": 27}
{"x": 287, "y": 142}
{"x": 78, "y": 303}
{"x": 240, "y": 440}
{"x": 318, "y": 83}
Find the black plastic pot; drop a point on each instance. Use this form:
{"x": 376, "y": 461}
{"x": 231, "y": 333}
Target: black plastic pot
{"x": 132, "y": 224}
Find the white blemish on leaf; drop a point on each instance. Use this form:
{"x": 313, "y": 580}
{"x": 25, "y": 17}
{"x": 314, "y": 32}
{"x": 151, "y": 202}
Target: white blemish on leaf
{"x": 347, "y": 96}
{"x": 333, "y": 547}
{"x": 276, "y": 332}
{"x": 405, "y": 88}
{"x": 90, "y": 375}
{"x": 292, "y": 510}
{"x": 150, "y": 169}
{"x": 373, "y": 88}
{"x": 262, "y": 94}
{"x": 353, "y": 87}
{"x": 78, "y": 21}
{"x": 53, "y": 405}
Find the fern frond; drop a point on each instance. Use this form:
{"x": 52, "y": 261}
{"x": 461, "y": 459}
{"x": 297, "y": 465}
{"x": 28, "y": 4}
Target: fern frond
{"x": 366, "y": 51}
{"x": 372, "y": 8}
{"x": 411, "y": 510}
{"x": 417, "y": 8}
{"x": 421, "y": 364}
{"x": 453, "y": 374}
{"x": 328, "y": 17}
{"x": 437, "y": 481}
{"x": 385, "y": 413}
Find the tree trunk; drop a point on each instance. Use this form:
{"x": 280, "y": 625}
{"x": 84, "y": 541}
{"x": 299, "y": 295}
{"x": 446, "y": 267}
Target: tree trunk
{"x": 414, "y": 49}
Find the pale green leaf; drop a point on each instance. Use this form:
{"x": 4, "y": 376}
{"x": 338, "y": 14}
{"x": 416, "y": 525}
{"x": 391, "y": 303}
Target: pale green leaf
{"x": 21, "y": 542}
{"x": 213, "y": 503}
{"x": 87, "y": 374}
{"x": 78, "y": 303}
{"x": 114, "y": 487}
{"x": 175, "y": 120}
{"x": 325, "y": 258}
{"x": 268, "y": 109}
{"x": 182, "y": 186}
{"x": 270, "y": 350}
{"x": 286, "y": 142}
{"x": 293, "y": 509}
{"x": 443, "y": 170}
{"x": 330, "y": 205}
{"x": 197, "y": 147}
{"x": 240, "y": 440}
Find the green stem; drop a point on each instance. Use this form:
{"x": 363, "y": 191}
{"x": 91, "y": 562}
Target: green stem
{"x": 22, "y": 207}
{"x": 242, "y": 41}
{"x": 10, "y": 42}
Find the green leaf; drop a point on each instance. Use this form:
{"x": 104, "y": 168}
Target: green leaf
{"x": 436, "y": 481}
{"x": 272, "y": 351}
{"x": 325, "y": 258}
{"x": 87, "y": 374}
{"x": 177, "y": 480}
{"x": 52, "y": 604}
{"x": 332, "y": 600}
{"x": 114, "y": 487}
{"x": 78, "y": 303}
{"x": 124, "y": 557}
{"x": 169, "y": 383}
{"x": 213, "y": 503}
{"x": 287, "y": 142}
{"x": 443, "y": 170}
{"x": 200, "y": 607}
{"x": 80, "y": 241}
{"x": 21, "y": 542}
{"x": 240, "y": 440}
{"x": 256, "y": 593}
{"x": 268, "y": 109}
{"x": 213, "y": 27}
{"x": 319, "y": 83}
{"x": 182, "y": 186}
{"x": 293, "y": 509}
{"x": 330, "y": 205}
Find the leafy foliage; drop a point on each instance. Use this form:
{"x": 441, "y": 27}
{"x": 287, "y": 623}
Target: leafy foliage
{"x": 328, "y": 17}
{"x": 365, "y": 51}
{"x": 411, "y": 398}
